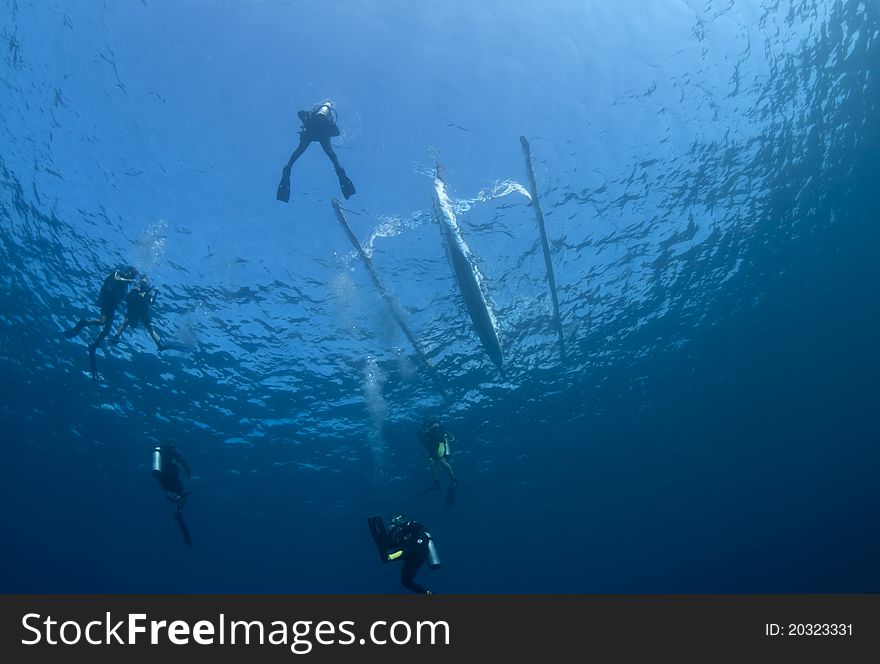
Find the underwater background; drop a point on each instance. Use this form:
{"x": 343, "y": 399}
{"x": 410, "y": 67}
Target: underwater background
{"x": 708, "y": 173}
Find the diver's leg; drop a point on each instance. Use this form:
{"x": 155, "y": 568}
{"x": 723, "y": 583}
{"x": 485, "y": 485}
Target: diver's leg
{"x": 93, "y": 363}
{"x": 187, "y": 538}
{"x": 115, "y": 338}
{"x": 450, "y": 492}
{"x": 304, "y": 142}
{"x": 435, "y": 481}
{"x": 155, "y": 337}
{"x": 108, "y": 324}
{"x": 450, "y": 472}
{"x": 84, "y": 322}
{"x": 283, "y": 192}
{"x": 345, "y": 184}
{"x": 411, "y": 564}
{"x": 107, "y": 321}
{"x": 328, "y": 150}
{"x": 173, "y": 487}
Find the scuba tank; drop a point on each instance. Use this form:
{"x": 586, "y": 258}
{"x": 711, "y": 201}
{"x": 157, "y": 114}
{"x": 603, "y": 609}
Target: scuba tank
{"x": 157, "y": 460}
{"x": 433, "y": 557}
{"x": 325, "y": 110}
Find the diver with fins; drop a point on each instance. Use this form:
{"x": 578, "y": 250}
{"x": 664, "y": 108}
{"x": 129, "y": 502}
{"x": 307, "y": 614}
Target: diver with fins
{"x": 435, "y": 439}
{"x": 406, "y": 540}
{"x": 318, "y": 125}
{"x": 167, "y": 463}
{"x": 113, "y": 291}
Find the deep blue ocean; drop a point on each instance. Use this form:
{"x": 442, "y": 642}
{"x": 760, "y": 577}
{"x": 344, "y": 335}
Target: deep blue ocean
{"x": 708, "y": 174}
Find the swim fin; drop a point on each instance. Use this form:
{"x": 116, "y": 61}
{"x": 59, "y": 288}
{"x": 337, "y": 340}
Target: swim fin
{"x": 72, "y": 332}
{"x": 434, "y": 487}
{"x": 377, "y": 530}
{"x": 93, "y": 363}
{"x": 283, "y": 193}
{"x": 450, "y": 496}
{"x": 183, "y": 529}
{"x": 345, "y": 184}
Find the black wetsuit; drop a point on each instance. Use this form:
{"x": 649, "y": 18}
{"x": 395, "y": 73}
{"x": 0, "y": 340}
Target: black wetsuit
{"x": 169, "y": 477}
{"x": 138, "y": 304}
{"x": 318, "y": 126}
{"x": 113, "y": 291}
{"x": 318, "y": 123}
{"x": 436, "y": 443}
{"x": 412, "y": 540}
{"x": 432, "y": 439}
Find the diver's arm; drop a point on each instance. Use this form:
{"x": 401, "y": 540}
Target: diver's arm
{"x": 400, "y": 542}
{"x": 392, "y": 555}
{"x": 175, "y": 457}
{"x": 183, "y": 465}
{"x": 119, "y": 277}
{"x": 389, "y": 548}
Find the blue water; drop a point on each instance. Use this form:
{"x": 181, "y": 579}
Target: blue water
{"x": 708, "y": 176}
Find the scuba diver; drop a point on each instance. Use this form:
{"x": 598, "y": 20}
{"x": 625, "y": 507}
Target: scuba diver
{"x": 435, "y": 439}
{"x": 318, "y": 124}
{"x": 113, "y": 291}
{"x": 167, "y": 463}
{"x": 407, "y": 540}
{"x": 138, "y": 312}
